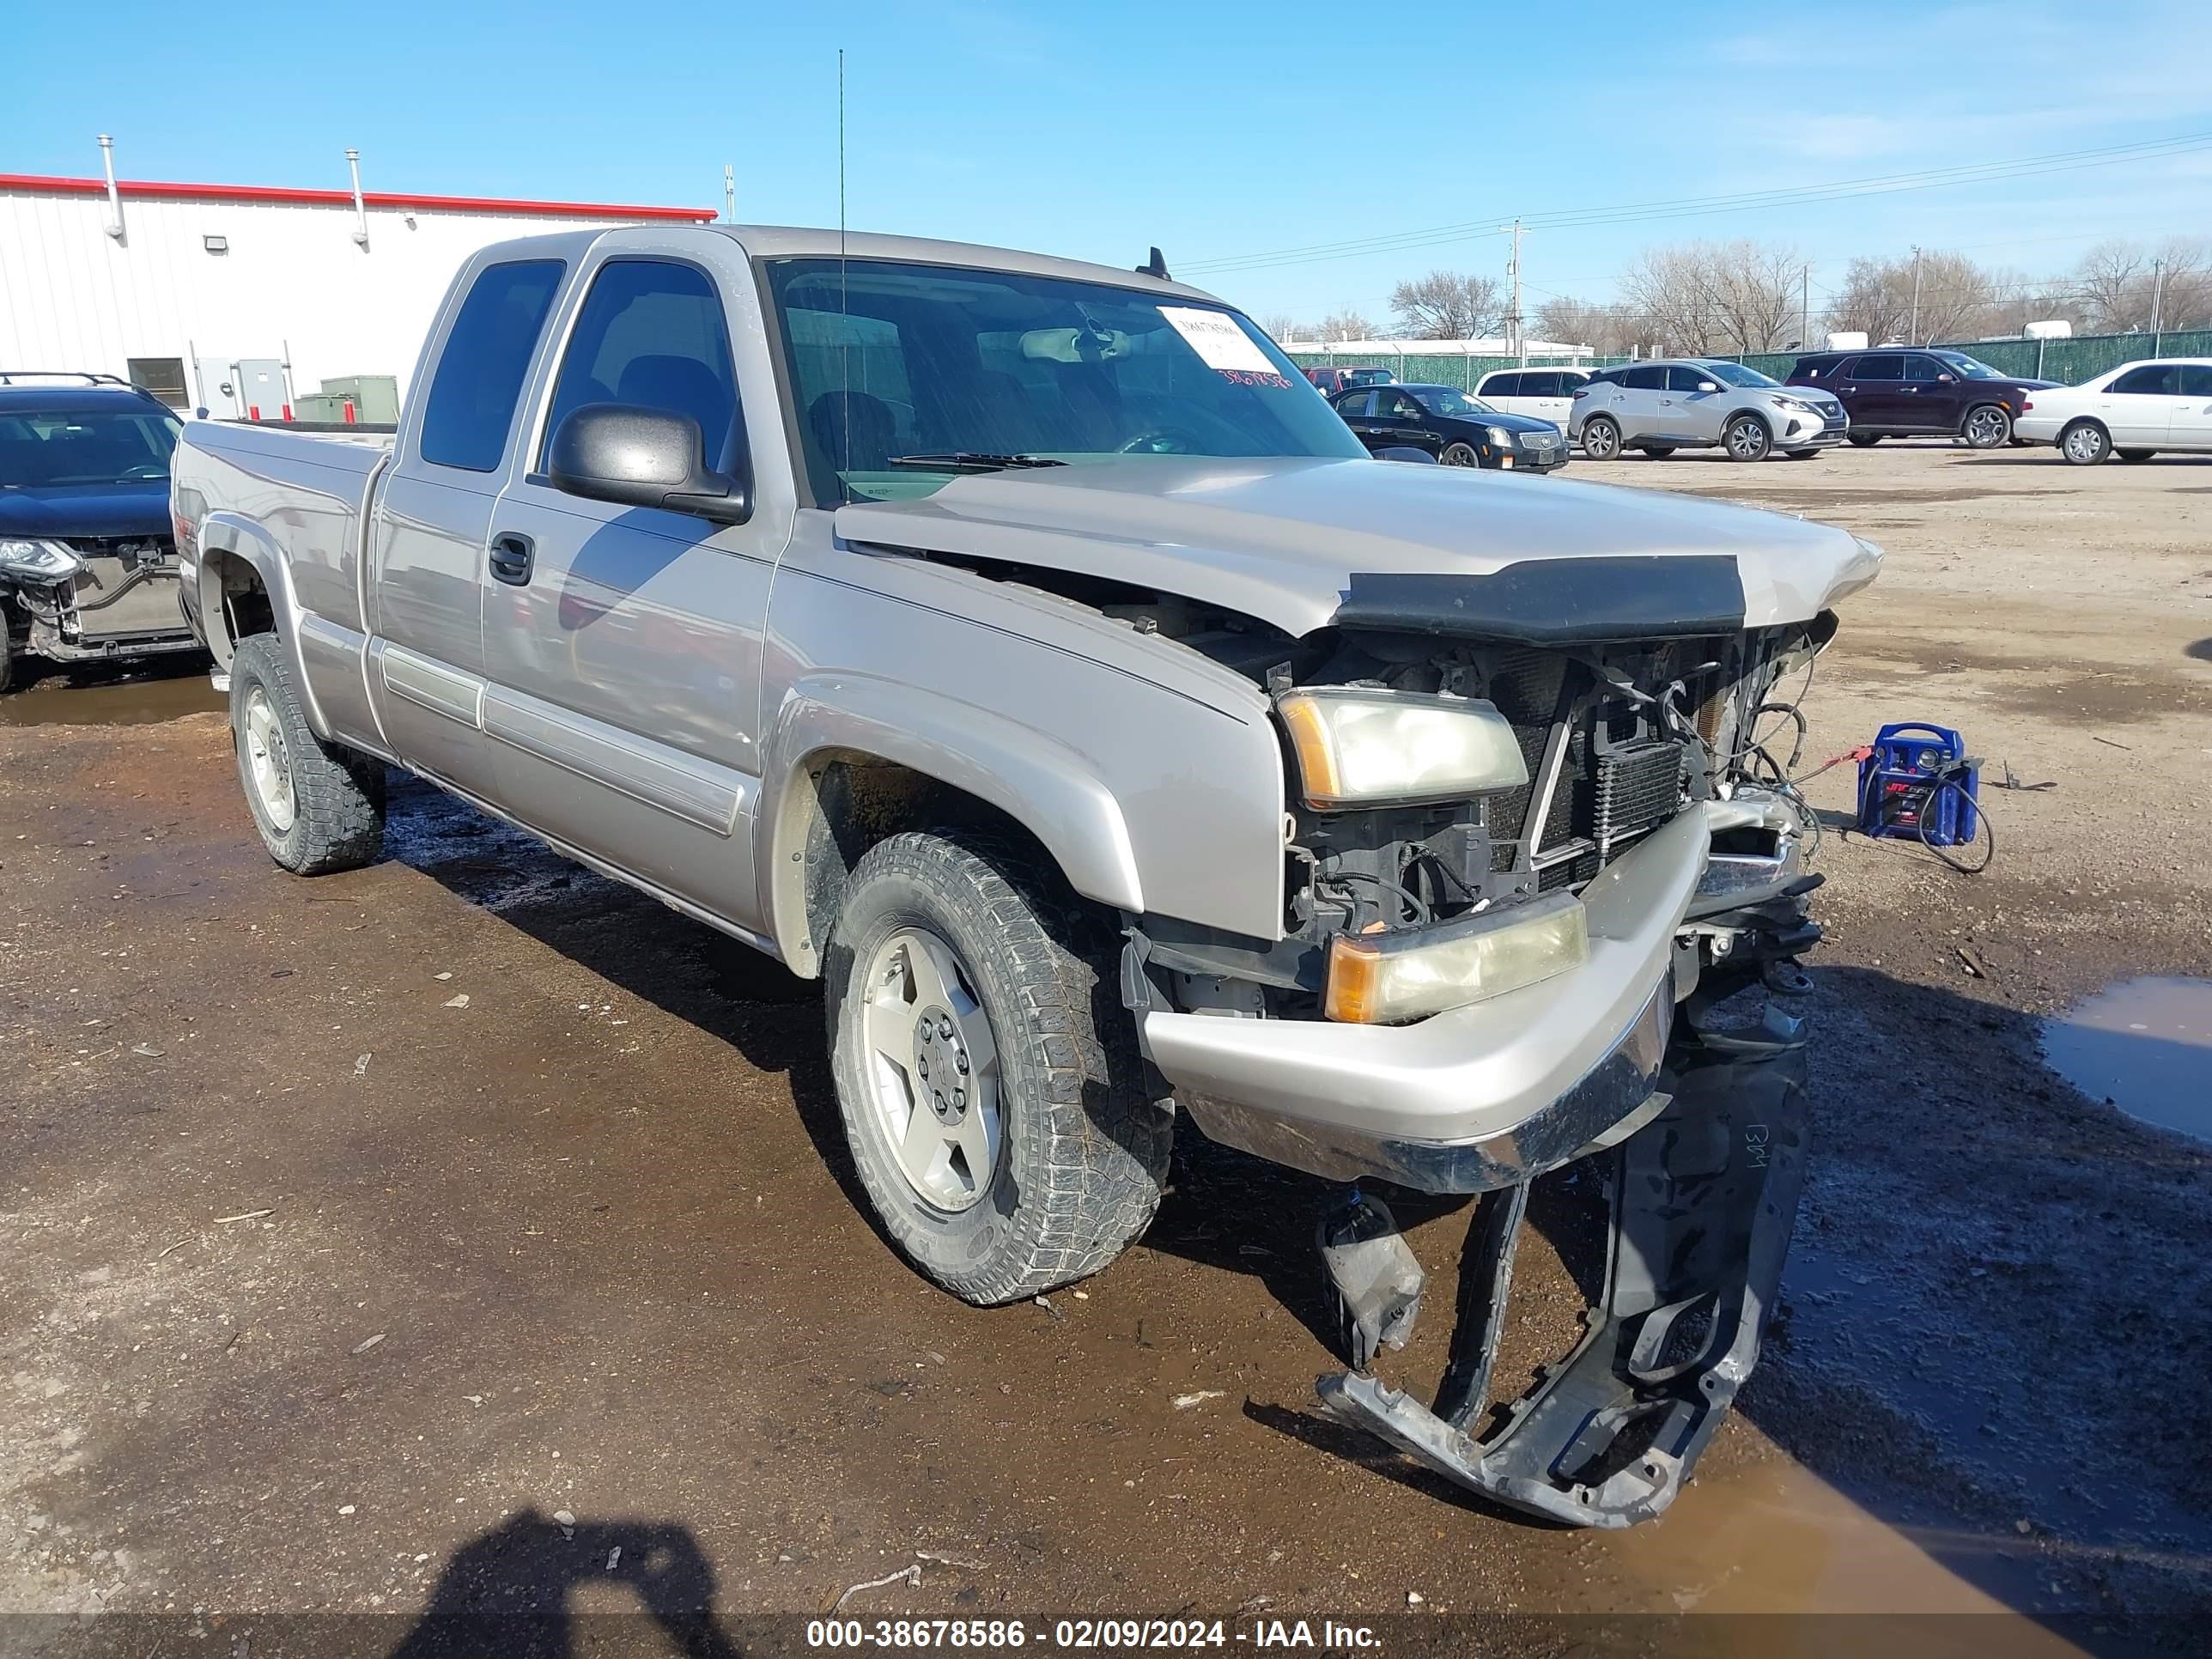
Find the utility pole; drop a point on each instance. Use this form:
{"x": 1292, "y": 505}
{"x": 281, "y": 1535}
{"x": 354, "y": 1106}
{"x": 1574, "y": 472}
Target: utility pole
{"x": 1913, "y": 334}
{"x": 1513, "y": 323}
{"x": 729, "y": 194}
{"x": 1804, "y": 309}
{"x": 2157, "y": 296}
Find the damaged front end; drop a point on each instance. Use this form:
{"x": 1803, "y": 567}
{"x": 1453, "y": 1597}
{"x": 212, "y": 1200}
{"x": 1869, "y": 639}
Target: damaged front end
{"x": 93, "y": 599}
{"x": 1644, "y": 801}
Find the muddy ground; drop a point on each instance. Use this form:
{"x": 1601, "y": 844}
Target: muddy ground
{"x": 321, "y": 1291}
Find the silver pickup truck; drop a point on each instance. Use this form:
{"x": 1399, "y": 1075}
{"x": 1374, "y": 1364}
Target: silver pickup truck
{"x": 1024, "y": 650}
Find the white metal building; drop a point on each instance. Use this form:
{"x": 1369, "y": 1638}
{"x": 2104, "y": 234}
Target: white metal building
{"x": 179, "y": 286}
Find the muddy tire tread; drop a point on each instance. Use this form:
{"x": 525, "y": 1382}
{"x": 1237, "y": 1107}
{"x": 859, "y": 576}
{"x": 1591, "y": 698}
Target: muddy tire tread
{"x": 1097, "y": 1185}
{"x": 338, "y": 793}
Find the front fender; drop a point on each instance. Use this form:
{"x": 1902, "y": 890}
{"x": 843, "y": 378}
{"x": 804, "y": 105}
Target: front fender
{"x": 1037, "y": 780}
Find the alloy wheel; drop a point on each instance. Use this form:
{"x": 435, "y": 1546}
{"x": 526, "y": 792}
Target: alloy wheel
{"x": 269, "y": 762}
{"x": 933, "y": 1069}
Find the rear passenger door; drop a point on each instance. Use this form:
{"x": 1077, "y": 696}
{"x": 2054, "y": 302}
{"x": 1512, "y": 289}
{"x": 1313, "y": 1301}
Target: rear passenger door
{"x": 1873, "y": 391}
{"x": 1635, "y": 402}
{"x": 1504, "y": 392}
{"x": 433, "y": 510}
{"x": 2192, "y": 425}
{"x": 623, "y": 644}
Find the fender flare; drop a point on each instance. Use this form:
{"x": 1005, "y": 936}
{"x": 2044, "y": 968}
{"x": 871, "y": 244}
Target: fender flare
{"x": 1773, "y": 432}
{"x": 1048, "y": 788}
{"x": 238, "y": 536}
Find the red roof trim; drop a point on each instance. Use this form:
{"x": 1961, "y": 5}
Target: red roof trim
{"x": 162, "y": 192}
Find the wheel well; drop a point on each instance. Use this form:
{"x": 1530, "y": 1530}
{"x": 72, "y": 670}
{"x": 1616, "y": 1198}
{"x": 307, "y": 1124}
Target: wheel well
{"x": 846, "y": 802}
{"x": 1985, "y": 403}
{"x": 2086, "y": 419}
{"x": 1758, "y": 415}
{"x": 240, "y": 606}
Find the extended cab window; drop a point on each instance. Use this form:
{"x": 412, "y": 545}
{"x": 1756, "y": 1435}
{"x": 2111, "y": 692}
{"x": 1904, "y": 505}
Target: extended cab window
{"x": 906, "y": 376}
{"x": 651, "y": 335}
{"x": 480, "y": 370}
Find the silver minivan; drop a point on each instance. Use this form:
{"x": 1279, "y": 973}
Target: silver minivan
{"x": 1547, "y": 393}
{"x": 1702, "y": 403}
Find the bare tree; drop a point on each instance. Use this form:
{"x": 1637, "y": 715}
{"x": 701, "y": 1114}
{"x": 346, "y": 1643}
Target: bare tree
{"x": 2125, "y": 285}
{"x": 1607, "y": 330}
{"x": 1957, "y": 299}
{"x": 1280, "y": 325}
{"x": 1448, "y": 305}
{"x": 1716, "y": 297}
{"x": 1348, "y": 324}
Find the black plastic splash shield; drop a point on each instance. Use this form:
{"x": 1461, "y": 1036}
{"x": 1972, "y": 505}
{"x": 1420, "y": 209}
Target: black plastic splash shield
{"x": 1629, "y": 596}
{"x": 1704, "y": 1198}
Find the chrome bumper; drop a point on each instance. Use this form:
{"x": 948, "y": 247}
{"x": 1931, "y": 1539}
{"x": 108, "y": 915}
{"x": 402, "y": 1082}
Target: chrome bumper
{"x": 1479, "y": 1097}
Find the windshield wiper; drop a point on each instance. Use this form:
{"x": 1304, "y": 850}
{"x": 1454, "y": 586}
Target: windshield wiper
{"x": 965, "y": 460}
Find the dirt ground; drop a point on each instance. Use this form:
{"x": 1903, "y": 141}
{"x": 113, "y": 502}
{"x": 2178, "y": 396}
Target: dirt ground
{"x": 323, "y": 1291}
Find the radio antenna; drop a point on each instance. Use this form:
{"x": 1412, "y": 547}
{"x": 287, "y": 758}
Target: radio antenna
{"x": 845, "y": 347}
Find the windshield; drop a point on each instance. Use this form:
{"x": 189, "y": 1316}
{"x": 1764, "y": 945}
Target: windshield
{"x": 85, "y": 447}
{"x": 905, "y": 376}
{"x": 1448, "y": 400}
{"x": 1969, "y": 367}
{"x": 1737, "y": 374}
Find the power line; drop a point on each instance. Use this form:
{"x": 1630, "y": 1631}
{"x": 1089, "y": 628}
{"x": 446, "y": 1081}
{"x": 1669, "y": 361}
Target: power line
{"x": 1685, "y": 207}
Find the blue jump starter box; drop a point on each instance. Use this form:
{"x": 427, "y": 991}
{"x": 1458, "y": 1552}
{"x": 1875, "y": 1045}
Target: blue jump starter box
{"x": 1918, "y": 784}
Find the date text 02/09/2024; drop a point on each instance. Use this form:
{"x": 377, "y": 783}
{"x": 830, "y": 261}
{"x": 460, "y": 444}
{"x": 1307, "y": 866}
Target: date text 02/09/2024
{"x": 1079, "y": 1635}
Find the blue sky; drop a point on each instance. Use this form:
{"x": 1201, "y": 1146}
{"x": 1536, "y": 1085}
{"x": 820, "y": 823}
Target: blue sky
{"x": 1213, "y": 130}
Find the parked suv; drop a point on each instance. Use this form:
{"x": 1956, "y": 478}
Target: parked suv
{"x": 1700, "y": 403}
{"x": 1899, "y": 392}
{"x": 1547, "y": 393}
{"x": 87, "y": 568}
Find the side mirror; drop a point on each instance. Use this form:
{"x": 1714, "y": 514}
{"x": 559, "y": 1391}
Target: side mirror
{"x": 1709, "y": 385}
{"x": 1946, "y": 379}
{"x": 643, "y": 458}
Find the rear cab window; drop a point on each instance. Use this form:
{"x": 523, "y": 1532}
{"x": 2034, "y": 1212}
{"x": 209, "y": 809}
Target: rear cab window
{"x": 470, "y": 412}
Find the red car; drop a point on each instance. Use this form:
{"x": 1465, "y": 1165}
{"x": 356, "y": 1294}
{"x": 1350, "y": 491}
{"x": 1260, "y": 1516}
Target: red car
{"x": 1333, "y": 381}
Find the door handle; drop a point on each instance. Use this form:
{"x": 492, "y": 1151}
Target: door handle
{"x": 511, "y": 558}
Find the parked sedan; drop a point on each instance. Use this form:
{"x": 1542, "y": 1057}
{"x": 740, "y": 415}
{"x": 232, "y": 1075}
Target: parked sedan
{"x": 2132, "y": 411}
{"x": 1701, "y": 403}
{"x": 1897, "y": 393}
{"x": 1457, "y": 430}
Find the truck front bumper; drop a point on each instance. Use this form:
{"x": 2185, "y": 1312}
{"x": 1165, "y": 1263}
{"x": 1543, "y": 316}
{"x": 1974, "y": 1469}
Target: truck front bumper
{"x": 1480, "y": 1097}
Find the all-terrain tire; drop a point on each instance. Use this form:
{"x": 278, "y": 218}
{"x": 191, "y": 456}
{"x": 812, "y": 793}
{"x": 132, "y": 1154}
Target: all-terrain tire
{"x": 1083, "y": 1148}
{"x": 338, "y": 794}
{"x": 7, "y": 656}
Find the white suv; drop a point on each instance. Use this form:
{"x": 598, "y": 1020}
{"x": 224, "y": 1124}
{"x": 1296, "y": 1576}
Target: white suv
{"x": 1547, "y": 393}
{"x": 2132, "y": 411}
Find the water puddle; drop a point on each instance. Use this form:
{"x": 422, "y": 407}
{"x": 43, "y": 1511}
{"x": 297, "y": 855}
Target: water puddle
{"x": 2146, "y": 1046}
{"x": 117, "y": 702}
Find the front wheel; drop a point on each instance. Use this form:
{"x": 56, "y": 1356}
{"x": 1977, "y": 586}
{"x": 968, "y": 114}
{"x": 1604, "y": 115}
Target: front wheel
{"x": 986, "y": 1072}
{"x": 1863, "y": 439}
{"x": 1461, "y": 455}
{"x": 319, "y": 807}
{"x": 2136, "y": 454}
{"x": 1746, "y": 439}
{"x": 1601, "y": 438}
{"x": 1986, "y": 427}
{"x": 2085, "y": 443}
{"x": 1799, "y": 454}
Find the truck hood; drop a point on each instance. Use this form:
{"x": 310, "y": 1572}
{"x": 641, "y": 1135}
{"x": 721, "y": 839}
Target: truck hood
{"x": 84, "y": 510}
{"x": 1302, "y": 543}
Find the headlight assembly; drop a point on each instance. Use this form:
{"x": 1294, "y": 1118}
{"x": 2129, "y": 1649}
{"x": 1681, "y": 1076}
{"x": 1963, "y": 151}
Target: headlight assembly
{"x": 37, "y": 560}
{"x": 1501, "y": 437}
{"x": 1361, "y": 747}
{"x": 1380, "y": 979}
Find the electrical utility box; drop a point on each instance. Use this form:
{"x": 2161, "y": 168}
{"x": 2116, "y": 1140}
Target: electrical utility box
{"x": 374, "y": 397}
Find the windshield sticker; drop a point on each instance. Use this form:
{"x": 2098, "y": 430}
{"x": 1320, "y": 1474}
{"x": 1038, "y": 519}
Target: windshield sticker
{"x": 1220, "y": 344}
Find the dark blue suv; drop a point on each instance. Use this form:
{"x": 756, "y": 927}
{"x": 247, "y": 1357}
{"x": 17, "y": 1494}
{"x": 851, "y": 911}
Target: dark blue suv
{"x": 87, "y": 563}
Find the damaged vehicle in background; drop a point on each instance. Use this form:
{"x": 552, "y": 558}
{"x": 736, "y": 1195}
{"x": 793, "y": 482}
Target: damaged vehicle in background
{"x": 1025, "y": 649}
{"x": 88, "y": 564}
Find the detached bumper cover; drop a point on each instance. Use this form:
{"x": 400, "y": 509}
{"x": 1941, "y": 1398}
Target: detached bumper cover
{"x": 1704, "y": 1198}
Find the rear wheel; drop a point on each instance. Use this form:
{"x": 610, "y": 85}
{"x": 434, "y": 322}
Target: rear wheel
{"x": 1746, "y": 439}
{"x": 1986, "y": 427}
{"x": 1657, "y": 451}
{"x": 2136, "y": 454}
{"x": 1800, "y": 454}
{"x": 1461, "y": 455}
{"x": 1863, "y": 439}
{"x": 1601, "y": 438}
{"x": 2085, "y": 443}
{"x": 986, "y": 1072}
{"x": 319, "y": 807}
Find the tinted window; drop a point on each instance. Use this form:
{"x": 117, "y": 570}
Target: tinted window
{"x": 1509, "y": 386}
{"x": 1878, "y": 368}
{"x": 480, "y": 371}
{"x": 1356, "y": 403}
{"x": 1539, "y": 384}
{"x": 1402, "y": 407}
{"x": 651, "y": 335}
{"x": 1811, "y": 368}
{"x": 1924, "y": 368}
{"x": 2196, "y": 380}
{"x": 2158, "y": 379}
{"x": 1683, "y": 378}
{"x": 1643, "y": 379}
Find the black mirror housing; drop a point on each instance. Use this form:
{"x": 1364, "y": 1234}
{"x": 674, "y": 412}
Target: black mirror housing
{"x": 643, "y": 458}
